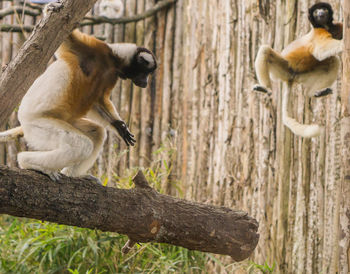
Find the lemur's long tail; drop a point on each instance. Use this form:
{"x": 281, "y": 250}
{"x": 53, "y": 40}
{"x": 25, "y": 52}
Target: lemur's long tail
{"x": 11, "y": 134}
{"x": 306, "y": 131}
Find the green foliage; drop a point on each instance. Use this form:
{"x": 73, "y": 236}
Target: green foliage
{"x": 157, "y": 175}
{"x": 265, "y": 268}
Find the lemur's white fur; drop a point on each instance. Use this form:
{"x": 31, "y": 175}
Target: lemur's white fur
{"x": 124, "y": 50}
{"x": 55, "y": 79}
{"x": 60, "y": 144}
{"x": 111, "y": 8}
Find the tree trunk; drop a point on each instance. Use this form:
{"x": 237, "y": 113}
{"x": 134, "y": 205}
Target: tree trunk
{"x": 141, "y": 213}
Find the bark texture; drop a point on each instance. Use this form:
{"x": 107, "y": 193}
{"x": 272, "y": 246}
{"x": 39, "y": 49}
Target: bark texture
{"x": 141, "y": 213}
{"x": 344, "y": 241}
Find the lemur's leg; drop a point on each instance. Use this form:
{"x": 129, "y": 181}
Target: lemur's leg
{"x": 57, "y": 144}
{"x": 267, "y": 62}
{"x": 318, "y": 81}
{"x": 97, "y": 135}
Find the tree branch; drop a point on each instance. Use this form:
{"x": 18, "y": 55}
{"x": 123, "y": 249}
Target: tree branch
{"x": 19, "y": 10}
{"x": 141, "y": 213}
{"x": 123, "y": 20}
{"x": 15, "y": 28}
{"x": 95, "y": 20}
{"x": 33, "y": 56}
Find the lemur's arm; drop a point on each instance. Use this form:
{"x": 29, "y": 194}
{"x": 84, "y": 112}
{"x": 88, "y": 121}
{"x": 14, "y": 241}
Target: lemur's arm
{"x": 105, "y": 113}
{"x": 325, "y": 46}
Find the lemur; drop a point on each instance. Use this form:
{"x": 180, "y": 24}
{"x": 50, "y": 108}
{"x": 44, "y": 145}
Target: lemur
{"x": 64, "y": 113}
{"x": 111, "y": 8}
{"x": 310, "y": 60}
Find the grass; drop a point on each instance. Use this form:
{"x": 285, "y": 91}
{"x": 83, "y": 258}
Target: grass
{"x": 30, "y": 246}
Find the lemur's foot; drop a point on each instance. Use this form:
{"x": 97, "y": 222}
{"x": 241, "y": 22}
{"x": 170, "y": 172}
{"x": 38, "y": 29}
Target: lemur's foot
{"x": 323, "y": 92}
{"x": 54, "y": 176}
{"x": 261, "y": 89}
{"x": 92, "y": 178}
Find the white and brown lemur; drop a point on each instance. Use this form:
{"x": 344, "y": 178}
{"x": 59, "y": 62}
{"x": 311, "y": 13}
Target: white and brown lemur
{"x": 310, "y": 60}
{"x": 64, "y": 113}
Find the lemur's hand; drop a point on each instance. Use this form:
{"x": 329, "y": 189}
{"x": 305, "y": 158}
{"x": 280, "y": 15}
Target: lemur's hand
{"x": 124, "y": 132}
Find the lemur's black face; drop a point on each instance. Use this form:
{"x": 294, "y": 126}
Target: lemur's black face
{"x": 142, "y": 65}
{"x": 321, "y": 15}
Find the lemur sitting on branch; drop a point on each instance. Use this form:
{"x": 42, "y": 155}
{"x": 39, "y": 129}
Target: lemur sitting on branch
{"x": 310, "y": 60}
{"x": 65, "y": 111}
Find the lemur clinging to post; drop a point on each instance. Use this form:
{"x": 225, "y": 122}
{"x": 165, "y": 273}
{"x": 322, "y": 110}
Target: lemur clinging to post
{"x": 310, "y": 60}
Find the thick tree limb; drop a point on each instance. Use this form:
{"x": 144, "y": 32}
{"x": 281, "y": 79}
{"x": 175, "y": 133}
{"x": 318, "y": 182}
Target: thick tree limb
{"x": 33, "y": 56}
{"x": 141, "y": 213}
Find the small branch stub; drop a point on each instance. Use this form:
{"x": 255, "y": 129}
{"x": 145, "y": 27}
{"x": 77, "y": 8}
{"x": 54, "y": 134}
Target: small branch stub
{"x": 128, "y": 246}
{"x": 140, "y": 181}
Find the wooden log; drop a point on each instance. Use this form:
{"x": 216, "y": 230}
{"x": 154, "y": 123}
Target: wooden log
{"x": 141, "y": 213}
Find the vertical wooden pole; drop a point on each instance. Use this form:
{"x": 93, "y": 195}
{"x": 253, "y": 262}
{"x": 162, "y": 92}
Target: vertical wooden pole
{"x": 344, "y": 235}
{"x": 136, "y": 100}
{"x": 146, "y": 96}
{"x": 6, "y": 55}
